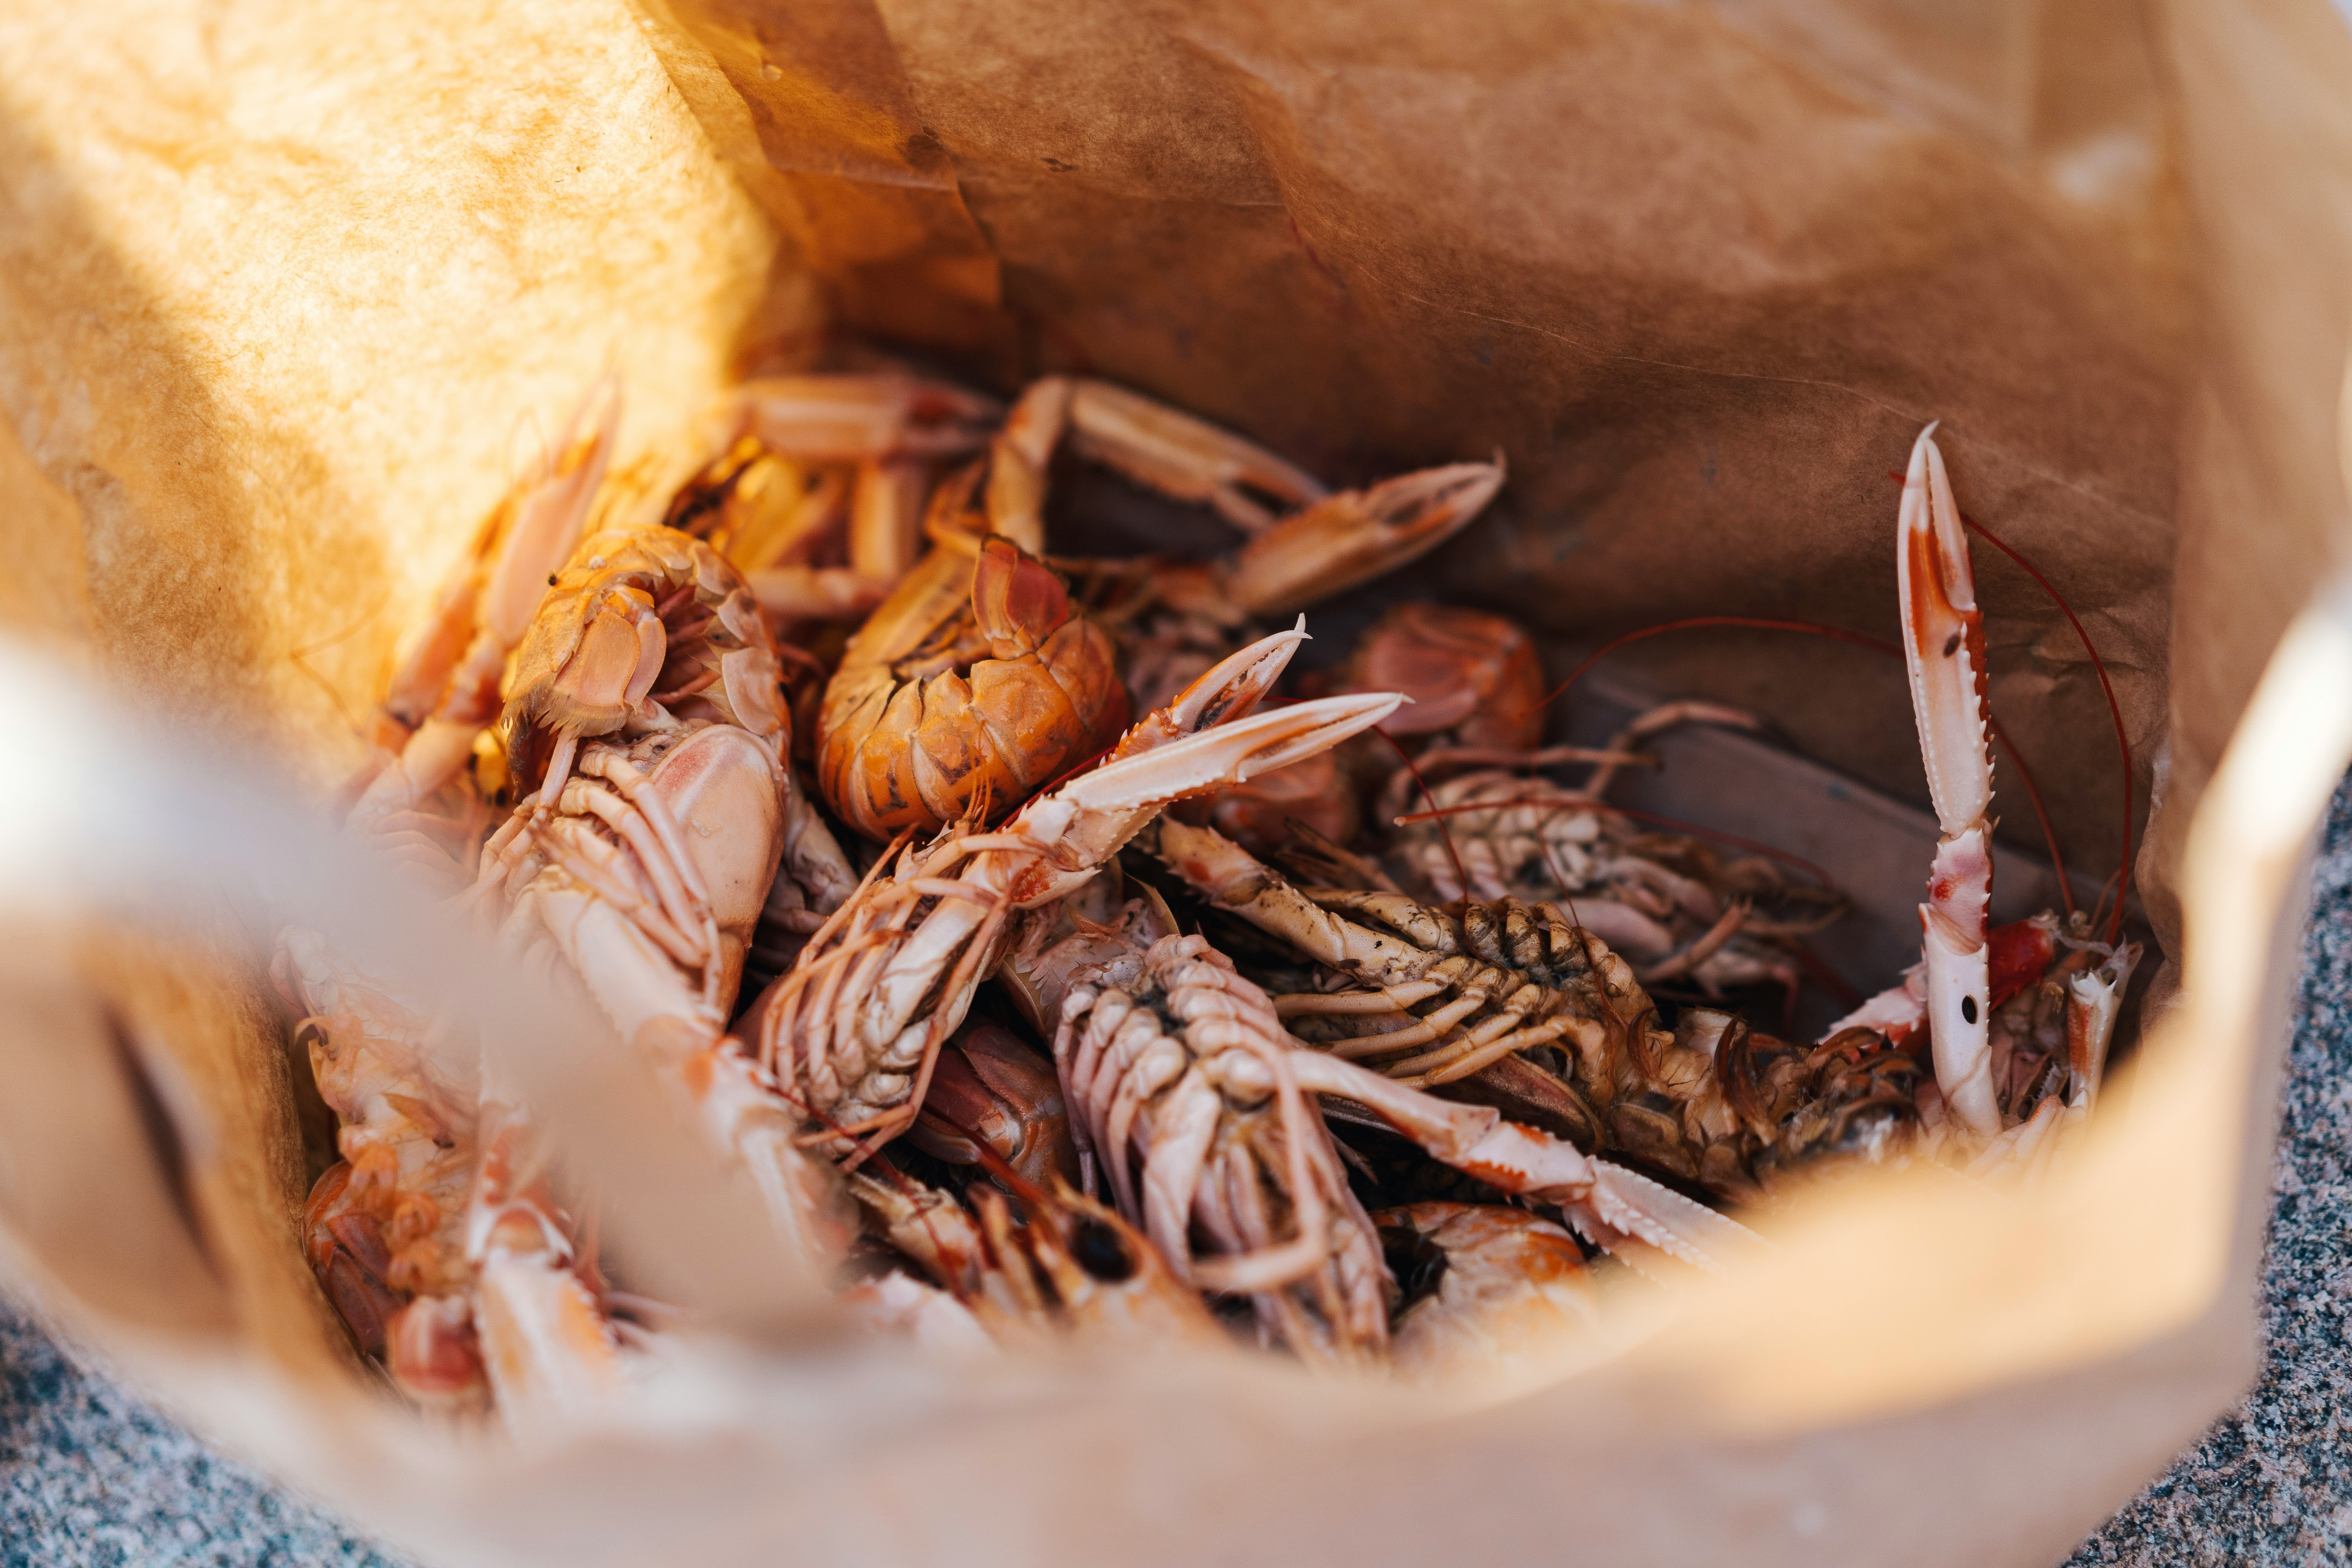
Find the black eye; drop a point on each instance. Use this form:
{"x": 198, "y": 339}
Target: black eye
{"x": 1952, "y": 646}
{"x": 1097, "y": 1249}
{"x": 1418, "y": 1263}
{"x": 1968, "y": 1008}
{"x": 551, "y": 580}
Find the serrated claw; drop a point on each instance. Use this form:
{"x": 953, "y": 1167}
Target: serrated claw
{"x": 1943, "y": 642}
{"x": 1231, "y": 753}
{"x": 1631, "y": 1203}
{"x": 1185, "y": 457}
{"x": 1229, "y": 690}
{"x": 1943, "y": 652}
{"x": 1355, "y": 537}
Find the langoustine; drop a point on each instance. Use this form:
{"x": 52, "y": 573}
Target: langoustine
{"x": 1501, "y": 1001}
{"x": 646, "y": 719}
{"x": 1678, "y": 908}
{"x": 437, "y": 1246}
{"x": 1200, "y": 1116}
{"x": 975, "y": 684}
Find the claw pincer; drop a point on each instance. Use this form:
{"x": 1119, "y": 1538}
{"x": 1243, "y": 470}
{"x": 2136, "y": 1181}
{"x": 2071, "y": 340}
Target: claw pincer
{"x": 1943, "y": 651}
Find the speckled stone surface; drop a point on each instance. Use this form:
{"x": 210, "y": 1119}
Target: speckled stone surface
{"x": 2271, "y": 1483}
{"x": 89, "y": 1478}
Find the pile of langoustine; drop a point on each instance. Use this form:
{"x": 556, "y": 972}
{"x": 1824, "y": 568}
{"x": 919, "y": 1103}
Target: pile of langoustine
{"x": 1048, "y": 974}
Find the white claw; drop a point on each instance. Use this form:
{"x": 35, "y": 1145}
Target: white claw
{"x": 1649, "y": 1211}
{"x": 1943, "y": 651}
{"x": 1230, "y": 753}
{"x": 1347, "y": 539}
{"x": 1237, "y": 683}
{"x": 2093, "y": 1000}
{"x": 1943, "y": 645}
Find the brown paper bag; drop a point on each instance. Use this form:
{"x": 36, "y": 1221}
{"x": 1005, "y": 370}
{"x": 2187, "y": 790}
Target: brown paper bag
{"x": 284, "y": 294}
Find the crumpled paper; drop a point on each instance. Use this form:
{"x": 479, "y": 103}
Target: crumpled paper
{"x": 292, "y": 297}
{"x": 283, "y": 295}
{"x": 1699, "y": 272}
